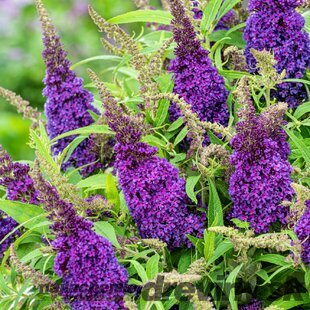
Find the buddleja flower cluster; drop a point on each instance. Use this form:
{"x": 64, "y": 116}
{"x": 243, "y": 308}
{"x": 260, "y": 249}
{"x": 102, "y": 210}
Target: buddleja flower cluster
{"x": 68, "y": 103}
{"x": 196, "y": 80}
{"x": 261, "y": 180}
{"x": 274, "y": 25}
{"x": 19, "y": 186}
{"x": 92, "y": 278}
{"x": 154, "y": 192}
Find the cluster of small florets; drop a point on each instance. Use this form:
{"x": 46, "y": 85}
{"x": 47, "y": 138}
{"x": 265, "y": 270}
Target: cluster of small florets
{"x": 261, "y": 180}
{"x": 19, "y": 186}
{"x": 156, "y": 196}
{"x": 277, "y": 27}
{"x": 302, "y": 230}
{"x": 67, "y": 102}
{"x": 196, "y": 80}
{"x": 92, "y": 278}
{"x": 253, "y": 305}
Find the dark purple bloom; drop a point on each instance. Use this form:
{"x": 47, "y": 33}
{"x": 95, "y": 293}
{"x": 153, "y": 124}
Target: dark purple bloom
{"x": 67, "y": 102}
{"x": 261, "y": 180}
{"x": 302, "y": 230}
{"x": 92, "y": 278}
{"x": 154, "y": 192}
{"x": 7, "y": 225}
{"x": 253, "y": 305}
{"x": 277, "y": 27}
{"x": 19, "y": 186}
{"x": 196, "y": 80}
{"x": 156, "y": 196}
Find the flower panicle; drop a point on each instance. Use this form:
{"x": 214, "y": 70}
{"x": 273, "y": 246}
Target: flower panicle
{"x": 265, "y": 65}
{"x": 183, "y": 30}
{"x": 38, "y": 279}
{"x": 22, "y": 106}
{"x": 242, "y": 242}
{"x": 114, "y": 32}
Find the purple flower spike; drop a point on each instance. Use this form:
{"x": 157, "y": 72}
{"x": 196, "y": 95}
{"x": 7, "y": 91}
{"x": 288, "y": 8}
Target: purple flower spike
{"x": 196, "y": 80}
{"x": 19, "y": 186}
{"x": 67, "y": 102}
{"x": 261, "y": 180}
{"x": 92, "y": 278}
{"x": 277, "y": 27}
{"x": 156, "y": 196}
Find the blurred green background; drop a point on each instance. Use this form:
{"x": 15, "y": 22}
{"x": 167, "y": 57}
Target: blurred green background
{"x": 21, "y": 66}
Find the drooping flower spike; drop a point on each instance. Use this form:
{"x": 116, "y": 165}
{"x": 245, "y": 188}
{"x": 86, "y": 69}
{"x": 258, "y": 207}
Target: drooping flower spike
{"x": 68, "y": 103}
{"x": 19, "y": 186}
{"x": 154, "y": 192}
{"x": 275, "y": 26}
{"x": 196, "y": 80}
{"x": 92, "y": 278}
{"x": 261, "y": 180}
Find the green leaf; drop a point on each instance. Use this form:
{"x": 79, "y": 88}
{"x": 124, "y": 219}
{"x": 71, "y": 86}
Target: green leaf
{"x": 276, "y": 259}
{"x": 226, "y": 6}
{"x": 209, "y": 238}
{"x": 154, "y": 141}
{"x": 214, "y": 206}
{"x": 190, "y": 186}
{"x": 292, "y": 300}
{"x": 220, "y": 250}
{"x": 145, "y": 16}
{"x": 302, "y": 109}
{"x": 184, "y": 262}
{"x": 299, "y": 144}
{"x": 106, "y": 230}
{"x": 112, "y": 192}
{"x": 297, "y": 81}
{"x": 231, "y": 282}
{"x": 67, "y": 152}
{"x": 88, "y": 130}
{"x": 209, "y": 15}
{"x": 152, "y": 266}
{"x": 176, "y": 124}
{"x": 241, "y": 224}
{"x": 306, "y": 16}
{"x": 162, "y": 112}
{"x": 25, "y": 214}
{"x": 96, "y": 181}
{"x": 267, "y": 281}
{"x": 94, "y": 58}
{"x": 231, "y": 74}
{"x": 140, "y": 270}
{"x": 182, "y": 134}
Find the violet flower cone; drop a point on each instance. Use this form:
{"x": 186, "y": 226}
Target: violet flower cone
{"x": 153, "y": 190}
{"x": 19, "y": 186}
{"x": 196, "y": 80}
{"x": 302, "y": 230}
{"x": 277, "y": 27}
{"x": 155, "y": 195}
{"x": 67, "y": 102}
{"x": 253, "y": 305}
{"x": 261, "y": 180}
{"x": 92, "y": 278}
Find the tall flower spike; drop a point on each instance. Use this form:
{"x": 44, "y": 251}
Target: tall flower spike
{"x": 67, "y": 102}
{"x": 302, "y": 230}
{"x": 22, "y": 105}
{"x": 92, "y": 278}
{"x": 261, "y": 180}
{"x": 196, "y": 80}
{"x": 277, "y": 27}
{"x": 19, "y": 187}
{"x": 154, "y": 192}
